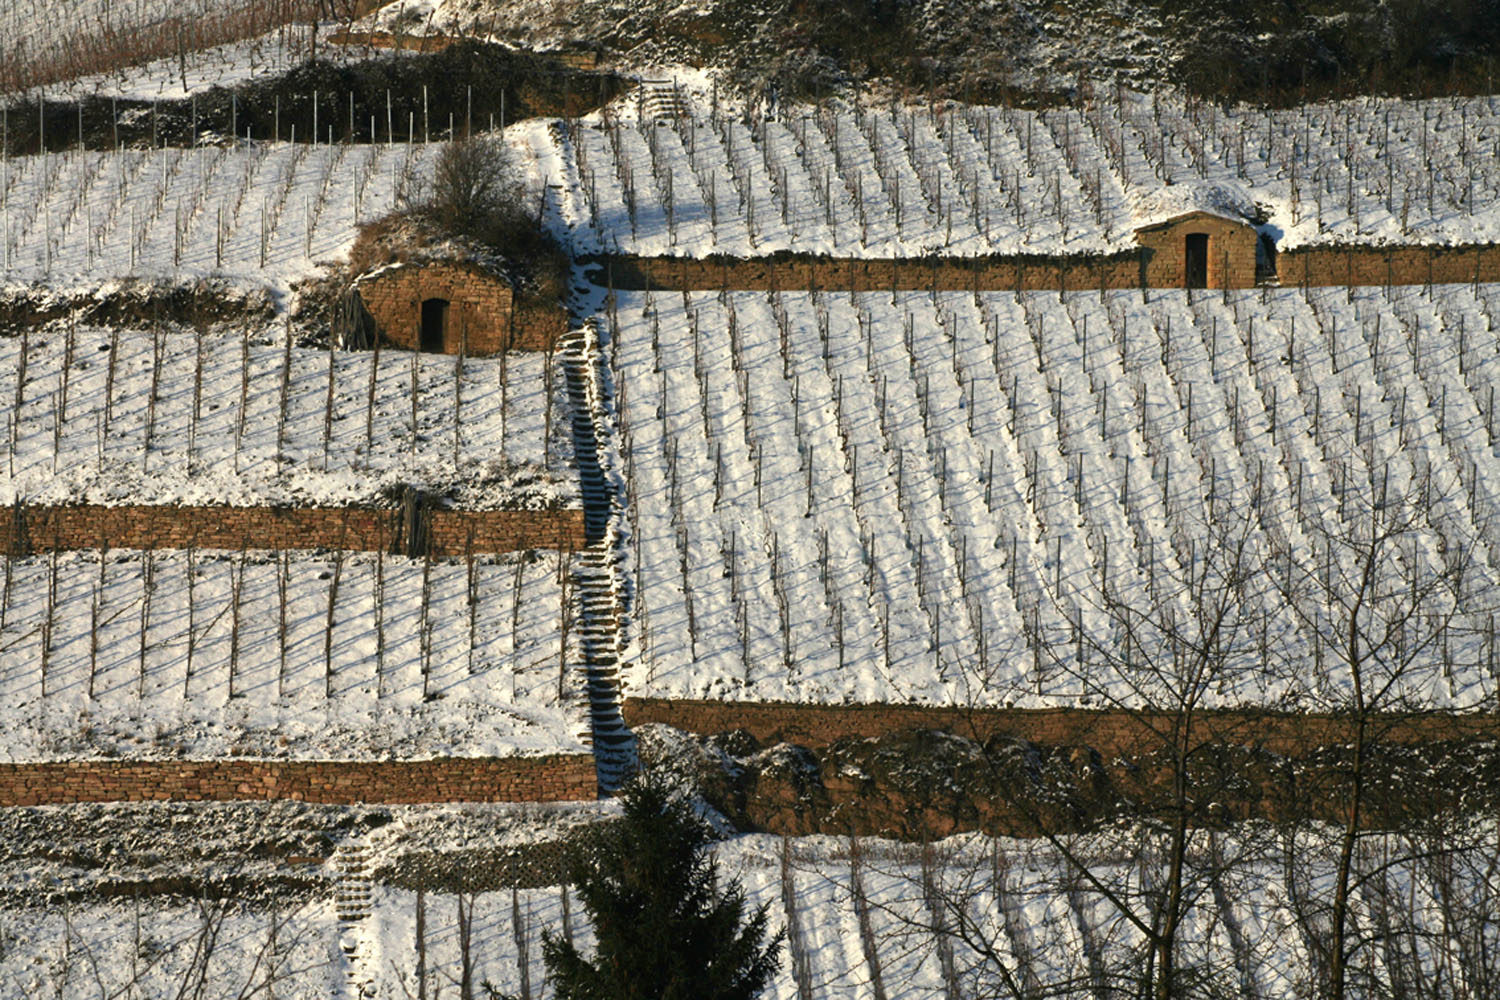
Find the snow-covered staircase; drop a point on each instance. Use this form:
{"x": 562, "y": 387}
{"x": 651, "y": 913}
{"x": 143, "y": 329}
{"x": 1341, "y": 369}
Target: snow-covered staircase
{"x": 352, "y": 903}
{"x": 661, "y": 101}
{"x": 351, "y": 893}
{"x": 596, "y": 582}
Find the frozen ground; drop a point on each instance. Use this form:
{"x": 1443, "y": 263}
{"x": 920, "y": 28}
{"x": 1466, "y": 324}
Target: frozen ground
{"x": 887, "y": 923}
{"x": 959, "y": 500}
{"x": 244, "y": 418}
{"x": 284, "y": 655}
{"x": 895, "y": 180}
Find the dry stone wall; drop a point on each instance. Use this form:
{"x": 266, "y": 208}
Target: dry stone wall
{"x": 1150, "y": 267}
{"x": 1108, "y": 731}
{"x": 788, "y": 272}
{"x": 449, "y": 533}
{"x": 560, "y": 777}
{"x": 1389, "y": 265}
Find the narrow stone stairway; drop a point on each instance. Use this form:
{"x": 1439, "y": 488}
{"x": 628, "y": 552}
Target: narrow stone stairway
{"x": 661, "y": 101}
{"x": 596, "y": 583}
{"x": 351, "y": 893}
{"x": 352, "y": 902}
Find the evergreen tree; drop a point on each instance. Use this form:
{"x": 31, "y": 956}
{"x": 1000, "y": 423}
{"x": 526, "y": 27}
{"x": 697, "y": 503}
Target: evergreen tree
{"x": 666, "y": 930}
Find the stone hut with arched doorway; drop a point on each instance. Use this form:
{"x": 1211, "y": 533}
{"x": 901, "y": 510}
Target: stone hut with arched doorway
{"x": 449, "y": 306}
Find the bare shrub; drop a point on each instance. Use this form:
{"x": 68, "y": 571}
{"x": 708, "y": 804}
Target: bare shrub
{"x": 476, "y": 193}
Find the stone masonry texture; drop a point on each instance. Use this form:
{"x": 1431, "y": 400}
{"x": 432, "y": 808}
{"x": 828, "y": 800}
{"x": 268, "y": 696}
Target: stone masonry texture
{"x": 484, "y": 315}
{"x": 450, "y": 533}
{"x": 1109, "y": 731}
{"x": 560, "y": 777}
{"x": 1149, "y": 267}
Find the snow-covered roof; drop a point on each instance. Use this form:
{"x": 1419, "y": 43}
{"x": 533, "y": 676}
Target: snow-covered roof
{"x": 1164, "y": 205}
{"x": 399, "y": 241}
{"x": 477, "y": 267}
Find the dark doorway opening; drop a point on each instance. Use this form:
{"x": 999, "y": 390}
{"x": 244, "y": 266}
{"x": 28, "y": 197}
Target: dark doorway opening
{"x": 434, "y": 324}
{"x": 1265, "y": 260}
{"x": 1196, "y": 258}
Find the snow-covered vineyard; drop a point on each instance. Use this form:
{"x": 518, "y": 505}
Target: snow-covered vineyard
{"x": 248, "y": 418}
{"x": 1145, "y": 501}
{"x": 861, "y": 182}
{"x": 952, "y": 500}
{"x": 117, "y": 46}
{"x": 896, "y": 180}
{"x": 265, "y": 211}
{"x": 877, "y": 922}
{"x": 285, "y": 655}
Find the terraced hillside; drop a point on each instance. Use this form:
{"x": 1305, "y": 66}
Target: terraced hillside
{"x": 1186, "y": 572}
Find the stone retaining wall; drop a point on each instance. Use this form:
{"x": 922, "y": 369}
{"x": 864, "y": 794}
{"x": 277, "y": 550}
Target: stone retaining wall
{"x": 450, "y": 533}
{"x": 1370, "y": 265}
{"x": 791, "y": 272}
{"x": 560, "y": 777}
{"x": 1388, "y": 265}
{"x": 1108, "y": 731}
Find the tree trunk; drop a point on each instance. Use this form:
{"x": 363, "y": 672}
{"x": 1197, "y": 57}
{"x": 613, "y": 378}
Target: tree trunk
{"x": 1337, "y": 969}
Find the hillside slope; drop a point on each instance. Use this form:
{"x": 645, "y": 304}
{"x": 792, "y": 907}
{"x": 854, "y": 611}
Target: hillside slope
{"x": 1275, "y": 50}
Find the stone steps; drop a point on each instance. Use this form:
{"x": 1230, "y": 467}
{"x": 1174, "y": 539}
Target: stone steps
{"x": 595, "y": 589}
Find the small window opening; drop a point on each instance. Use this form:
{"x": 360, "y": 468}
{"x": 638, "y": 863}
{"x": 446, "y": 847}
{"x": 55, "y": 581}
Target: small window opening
{"x": 434, "y": 325}
{"x": 1196, "y": 259}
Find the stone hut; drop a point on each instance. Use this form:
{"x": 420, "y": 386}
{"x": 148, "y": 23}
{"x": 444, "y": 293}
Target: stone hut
{"x": 1199, "y": 249}
{"x": 445, "y": 306}
{"x": 450, "y": 306}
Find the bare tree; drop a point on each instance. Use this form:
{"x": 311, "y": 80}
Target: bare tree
{"x": 1159, "y": 644}
{"x": 1388, "y": 595}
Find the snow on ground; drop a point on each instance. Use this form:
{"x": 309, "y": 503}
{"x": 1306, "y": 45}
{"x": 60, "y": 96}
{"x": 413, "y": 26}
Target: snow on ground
{"x": 849, "y": 181}
{"x": 265, "y": 214}
{"x": 42, "y": 29}
{"x": 895, "y": 180}
{"x": 163, "y": 948}
{"x": 285, "y": 655}
{"x": 156, "y": 49}
{"x": 224, "y": 65}
{"x": 246, "y": 419}
{"x": 920, "y": 498}
{"x": 884, "y": 917}
{"x": 262, "y": 211}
